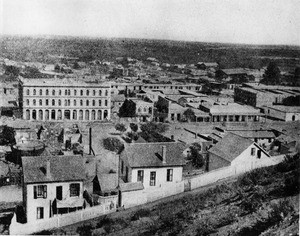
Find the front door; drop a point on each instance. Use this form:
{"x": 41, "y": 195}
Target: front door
{"x": 59, "y": 192}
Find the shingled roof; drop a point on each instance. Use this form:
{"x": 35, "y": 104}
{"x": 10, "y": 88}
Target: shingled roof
{"x": 150, "y": 154}
{"x": 230, "y": 147}
{"x": 62, "y": 169}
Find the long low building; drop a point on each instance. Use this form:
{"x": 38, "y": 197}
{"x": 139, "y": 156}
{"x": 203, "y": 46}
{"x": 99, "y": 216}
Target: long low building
{"x": 64, "y": 99}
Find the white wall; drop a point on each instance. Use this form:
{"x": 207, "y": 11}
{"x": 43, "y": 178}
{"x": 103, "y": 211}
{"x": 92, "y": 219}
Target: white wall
{"x": 161, "y": 176}
{"x": 32, "y": 204}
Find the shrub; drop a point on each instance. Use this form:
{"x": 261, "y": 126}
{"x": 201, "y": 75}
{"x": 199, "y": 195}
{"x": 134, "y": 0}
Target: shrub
{"x": 134, "y": 127}
{"x": 85, "y": 230}
{"x": 292, "y": 183}
{"x": 205, "y": 228}
{"x": 113, "y": 144}
{"x": 279, "y": 211}
{"x": 120, "y": 127}
{"x": 104, "y": 221}
{"x": 140, "y": 213}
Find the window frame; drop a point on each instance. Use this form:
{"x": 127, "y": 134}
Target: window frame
{"x": 40, "y": 191}
{"x": 140, "y": 176}
{"x": 152, "y": 178}
{"x": 39, "y": 213}
{"x": 169, "y": 175}
{"x": 74, "y": 189}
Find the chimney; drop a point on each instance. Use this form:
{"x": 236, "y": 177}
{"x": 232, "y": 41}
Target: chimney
{"x": 164, "y": 154}
{"x": 48, "y": 173}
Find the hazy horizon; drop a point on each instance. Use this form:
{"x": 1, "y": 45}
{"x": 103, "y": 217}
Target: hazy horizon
{"x": 246, "y": 22}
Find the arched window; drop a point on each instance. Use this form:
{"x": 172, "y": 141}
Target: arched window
{"x": 53, "y": 102}
{"x": 40, "y": 115}
{"x": 80, "y": 114}
{"x": 66, "y": 92}
{"x": 66, "y": 102}
{"x": 94, "y": 92}
{"x": 75, "y": 92}
{"x": 53, "y": 92}
{"x": 99, "y": 114}
{"x": 87, "y": 115}
{"x": 105, "y": 103}
{"x": 87, "y": 103}
{"x": 47, "y": 92}
{"x": 106, "y": 93}
{"x": 41, "y": 102}
{"x": 34, "y": 114}
{"x": 47, "y": 115}
{"x": 100, "y": 103}
{"x": 27, "y": 114}
{"x": 34, "y": 92}
{"x": 59, "y": 102}
{"x": 59, "y": 92}
{"x": 81, "y": 103}
{"x": 74, "y": 103}
{"x": 53, "y": 115}
{"x": 27, "y": 102}
{"x": 139, "y": 110}
{"x": 100, "y": 92}
{"x": 34, "y": 102}
{"x": 87, "y": 92}
{"x": 59, "y": 115}
{"x": 74, "y": 115}
{"x": 27, "y": 92}
{"x": 105, "y": 114}
{"x": 93, "y": 115}
{"x": 41, "y": 92}
{"x": 94, "y": 103}
{"x": 47, "y": 102}
{"x": 69, "y": 92}
{"x": 81, "y": 92}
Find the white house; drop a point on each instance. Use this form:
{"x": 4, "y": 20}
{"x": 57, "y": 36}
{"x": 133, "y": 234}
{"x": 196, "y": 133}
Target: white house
{"x": 52, "y": 185}
{"x": 152, "y": 170}
{"x": 234, "y": 150}
{"x": 284, "y": 113}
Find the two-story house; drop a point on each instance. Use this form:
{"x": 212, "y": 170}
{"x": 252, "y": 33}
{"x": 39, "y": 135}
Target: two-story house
{"x": 151, "y": 170}
{"x": 52, "y": 185}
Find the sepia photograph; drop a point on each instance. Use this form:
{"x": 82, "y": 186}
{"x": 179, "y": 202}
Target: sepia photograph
{"x": 150, "y": 117}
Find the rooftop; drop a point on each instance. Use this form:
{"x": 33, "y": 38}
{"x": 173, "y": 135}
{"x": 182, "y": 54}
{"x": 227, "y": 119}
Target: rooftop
{"x": 62, "y": 169}
{"x": 230, "y": 146}
{"x": 150, "y": 154}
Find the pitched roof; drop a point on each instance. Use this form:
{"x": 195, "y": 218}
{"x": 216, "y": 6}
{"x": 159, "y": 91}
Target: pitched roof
{"x": 230, "y": 147}
{"x": 150, "y": 154}
{"x": 107, "y": 181}
{"x": 62, "y": 169}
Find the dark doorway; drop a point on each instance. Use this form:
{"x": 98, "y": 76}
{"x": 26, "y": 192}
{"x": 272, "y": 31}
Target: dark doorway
{"x": 120, "y": 199}
{"x": 59, "y": 192}
{"x": 259, "y": 154}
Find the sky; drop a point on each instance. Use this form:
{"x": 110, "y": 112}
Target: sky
{"x": 228, "y": 21}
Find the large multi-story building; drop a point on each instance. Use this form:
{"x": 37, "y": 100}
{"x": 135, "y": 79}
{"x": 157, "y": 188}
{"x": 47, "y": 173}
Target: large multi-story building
{"x": 64, "y": 99}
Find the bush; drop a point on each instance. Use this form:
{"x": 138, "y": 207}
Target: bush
{"x": 104, "y": 221}
{"x": 292, "y": 183}
{"x": 85, "y": 230}
{"x": 113, "y": 144}
{"x": 279, "y": 211}
{"x": 120, "y": 127}
{"x": 134, "y": 127}
{"x": 140, "y": 213}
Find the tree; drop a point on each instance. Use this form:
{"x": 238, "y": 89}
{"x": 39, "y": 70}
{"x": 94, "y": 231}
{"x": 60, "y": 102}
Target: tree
{"x": 113, "y": 144}
{"x": 272, "y": 74}
{"x": 291, "y": 101}
{"x": 120, "y": 127}
{"x": 134, "y": 127}
{"x": 196, "y": 157}
{"x": 189, "y": 114}
{"x": 12, "y": 70}
{"x": 7, "y": 135}
{"x": 128, "y": 109}
{"x": 152, "y": 127}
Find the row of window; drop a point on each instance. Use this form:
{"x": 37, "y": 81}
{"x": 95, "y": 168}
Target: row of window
{"x": 140, "y": 176}
{"x": 67, "y": 92}
{"x": 67, "y": 102}
{"x": 67, "y": 114}
{"x": 40, "y": 191}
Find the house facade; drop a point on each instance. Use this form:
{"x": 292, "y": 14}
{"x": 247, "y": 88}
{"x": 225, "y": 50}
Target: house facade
{"x": 51, "y": 186}
{"x": 64, "y": 99}
{"x": 234, "y": 150}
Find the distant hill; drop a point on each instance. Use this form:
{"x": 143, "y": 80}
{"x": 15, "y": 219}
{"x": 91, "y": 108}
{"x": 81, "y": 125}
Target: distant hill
{"x": 25, "y": 48}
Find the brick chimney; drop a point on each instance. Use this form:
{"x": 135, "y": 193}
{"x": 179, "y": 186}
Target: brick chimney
{"x": 48, "y": 172}
{"x": 164, "y": 154}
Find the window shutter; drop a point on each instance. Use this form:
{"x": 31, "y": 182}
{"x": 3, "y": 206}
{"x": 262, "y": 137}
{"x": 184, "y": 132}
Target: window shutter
{"x": 34, "y": 192}
{"x": 45, "y": 191}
